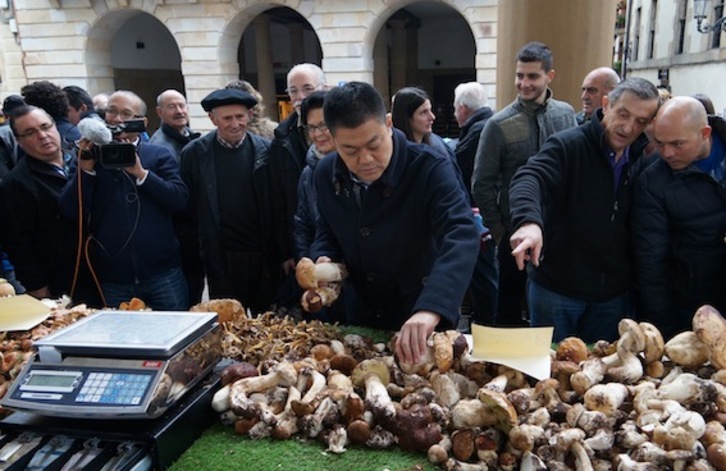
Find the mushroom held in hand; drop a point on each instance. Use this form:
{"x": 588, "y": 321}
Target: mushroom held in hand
{"x": 311, "y": 275}
{"x": 313, "y": 300}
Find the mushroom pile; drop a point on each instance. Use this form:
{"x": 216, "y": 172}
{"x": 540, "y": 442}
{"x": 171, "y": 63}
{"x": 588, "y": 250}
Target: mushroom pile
{"x": 16, "y": 347}
{"x": 636, "y": 404}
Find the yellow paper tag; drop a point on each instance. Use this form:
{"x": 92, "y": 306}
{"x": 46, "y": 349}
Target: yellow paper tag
{"x": 22, "y": 312}
{"x": 526, "y": 349}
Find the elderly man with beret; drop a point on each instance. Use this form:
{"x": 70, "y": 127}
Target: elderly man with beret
{"x": 228, "y": 176}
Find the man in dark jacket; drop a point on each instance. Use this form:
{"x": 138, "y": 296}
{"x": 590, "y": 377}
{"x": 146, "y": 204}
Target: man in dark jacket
{"x": 287, "y": 160}
{"x": 679, "y": 217}
{"x": 576, "y": 191}
{"x": 396, "y": 214}
{"x": 37, "y": 238}
{"x": 174, "y": 133}
{"x": 128, "y": 215}
{"x": 471, "y": 111}
{"x": 227, "y": 172}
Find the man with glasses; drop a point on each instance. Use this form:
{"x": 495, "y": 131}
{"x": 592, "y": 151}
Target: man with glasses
{"x": 227, "y": 172}
{"x": 287, "y": 160}
{"x": 38, "y": 240}
{"x": 127, "y": 214}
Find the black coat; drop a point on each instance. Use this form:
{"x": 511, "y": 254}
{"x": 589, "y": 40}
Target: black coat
{"x": 39, "y": 241}
{"x": 568, "y": 189}
{"x": 199, "y": 173}
{"x": 468, "y": 142}
{"x": 287, "y": 161}
{"x": 679, "y": 222}
{"x": 412, "y": 243}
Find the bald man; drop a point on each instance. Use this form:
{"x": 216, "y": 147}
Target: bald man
{"x": 679, "y": 217}
{"x": 174, "y": 132}
{"x": 596, "y": 85}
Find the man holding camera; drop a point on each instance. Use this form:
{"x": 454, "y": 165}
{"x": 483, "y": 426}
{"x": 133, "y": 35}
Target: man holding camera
{"x": 127, "y": 209}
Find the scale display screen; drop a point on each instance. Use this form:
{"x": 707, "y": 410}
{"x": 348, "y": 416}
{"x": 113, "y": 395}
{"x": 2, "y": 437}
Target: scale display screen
{"x": 60, "y": 381}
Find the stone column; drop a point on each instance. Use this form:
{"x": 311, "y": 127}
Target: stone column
{"x": 580, "y": 35}
{"x": 265, "y": 69}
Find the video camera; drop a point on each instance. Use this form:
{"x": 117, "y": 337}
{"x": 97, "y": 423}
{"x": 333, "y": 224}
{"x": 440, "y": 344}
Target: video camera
{"x": 116, "y": 155}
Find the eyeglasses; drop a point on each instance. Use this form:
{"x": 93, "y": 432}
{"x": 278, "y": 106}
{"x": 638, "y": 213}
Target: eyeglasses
{"x": 125, "y": 115}
{"x": 311, "y": 128}
{"x": 306, "y": 89}
{"x": 45, "y": 127}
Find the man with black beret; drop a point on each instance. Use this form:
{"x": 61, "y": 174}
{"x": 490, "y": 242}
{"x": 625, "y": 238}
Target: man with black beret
{"x": 228, "y": 177}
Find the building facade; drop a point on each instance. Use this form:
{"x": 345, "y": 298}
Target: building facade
{"x": 196, "y": 46}
{"x": 664, "y": 46}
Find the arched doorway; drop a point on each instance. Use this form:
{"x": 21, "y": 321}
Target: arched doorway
{"x": 133, "y": 50}
{"x": 415, "y": 47}
{"x": 274, "y": 41}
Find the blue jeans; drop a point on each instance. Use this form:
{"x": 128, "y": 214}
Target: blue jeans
{"x": 164, "y": 292}
{"x": 591, "y": 321}
{"x": 484, "y": 286}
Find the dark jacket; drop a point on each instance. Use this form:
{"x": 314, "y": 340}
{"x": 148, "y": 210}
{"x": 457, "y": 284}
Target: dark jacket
{"x": 173, "y": 139}
{"x": 287, "y": 161}
{"x": 68, "y": 132}
{"x": 509, "y": 138}
{"x": 307, "y": 212}
{"x": 412, "y": 243}
{"x": 468, "y": 142}
{"x": 679, "y": 222}
{"x": 131, "y": 226}
{"x": 199, "y": 173}
{"x": 569, "y": 191}
{"x": 8, "y": 151}
{"x": 38, "y": 239}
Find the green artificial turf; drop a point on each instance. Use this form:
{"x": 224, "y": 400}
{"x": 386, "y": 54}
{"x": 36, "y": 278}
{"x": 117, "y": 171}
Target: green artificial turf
{"x": 220, "y": 449}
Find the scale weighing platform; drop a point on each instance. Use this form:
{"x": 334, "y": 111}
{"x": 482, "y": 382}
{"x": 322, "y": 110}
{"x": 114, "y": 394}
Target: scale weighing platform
{"x": 136, "y": 386}
{"x": 118, "y": 365}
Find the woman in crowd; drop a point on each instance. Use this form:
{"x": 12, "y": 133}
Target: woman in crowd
{"x": 411, "y": 113}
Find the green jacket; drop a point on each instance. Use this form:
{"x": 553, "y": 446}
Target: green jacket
{"x": 508, "y": 140}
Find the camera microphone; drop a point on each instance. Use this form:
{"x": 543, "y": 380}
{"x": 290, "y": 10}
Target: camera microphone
{"x": 95, "y": 131}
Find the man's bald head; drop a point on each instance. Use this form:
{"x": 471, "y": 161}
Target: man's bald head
{"x": 681, "y": 132}
{"x": 171, "y": 106}
{"x": 597, "y": 83}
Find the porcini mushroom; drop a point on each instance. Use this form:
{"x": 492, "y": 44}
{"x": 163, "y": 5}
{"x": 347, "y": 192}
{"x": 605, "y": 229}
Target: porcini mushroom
{"x": 710, "y": 327}
{"x": 310, "y": 275}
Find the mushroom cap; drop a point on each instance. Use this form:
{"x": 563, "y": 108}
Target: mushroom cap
{"x": 228, "y": 309}
{"x": 367, "y": 367}
{"x": 654, "y": 344}
{"x": 572, "y": 349}
{"x": 343, "y": 363}
{"x": 632, "y": 336}
{"x": 305, "y": 274}
{"x": 359, "y": 432}
{"x": 499, "y": 405}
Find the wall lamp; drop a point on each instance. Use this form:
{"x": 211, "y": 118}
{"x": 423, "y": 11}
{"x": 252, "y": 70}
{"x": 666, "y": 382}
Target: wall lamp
{"x": 700, "y": 12}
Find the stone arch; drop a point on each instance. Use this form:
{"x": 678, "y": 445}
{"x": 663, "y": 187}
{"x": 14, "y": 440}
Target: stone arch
{"x": 409, "y": 49}
{"x": 247, "y": 48}
{"x": 155, "y": 66}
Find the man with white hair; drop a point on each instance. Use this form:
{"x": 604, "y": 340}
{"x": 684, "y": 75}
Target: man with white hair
{"x": 287, "y": 160}
{"x": 471, "y": 110}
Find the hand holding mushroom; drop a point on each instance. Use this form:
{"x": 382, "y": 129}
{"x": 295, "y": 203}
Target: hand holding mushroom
{"x": 321, "y": 282}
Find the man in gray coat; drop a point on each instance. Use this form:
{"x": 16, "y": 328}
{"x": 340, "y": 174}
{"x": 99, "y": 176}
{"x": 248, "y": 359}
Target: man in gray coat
{"x": 508, "y": 139}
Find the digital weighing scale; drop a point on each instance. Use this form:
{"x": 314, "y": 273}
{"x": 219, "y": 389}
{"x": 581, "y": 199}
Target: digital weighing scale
{"x": 118, "y": 365}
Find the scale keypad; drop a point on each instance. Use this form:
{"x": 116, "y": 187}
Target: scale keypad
{"x": 114, "y": 388}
